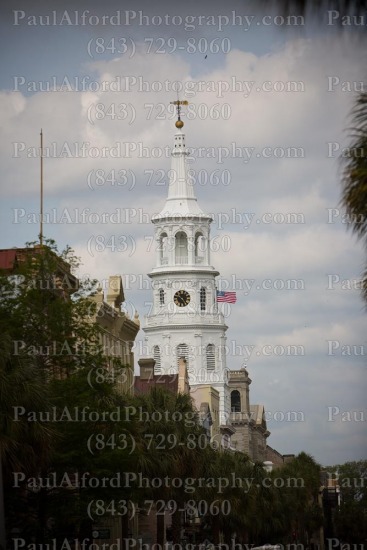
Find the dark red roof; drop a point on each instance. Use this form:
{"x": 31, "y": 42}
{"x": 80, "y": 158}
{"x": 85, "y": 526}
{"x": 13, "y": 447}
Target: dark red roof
{"x": 7, "y": 258}
{"x": 167, "y": 381}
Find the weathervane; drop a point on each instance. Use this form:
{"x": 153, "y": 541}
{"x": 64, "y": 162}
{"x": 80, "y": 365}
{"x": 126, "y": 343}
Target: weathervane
{"x": 178, "y": 104}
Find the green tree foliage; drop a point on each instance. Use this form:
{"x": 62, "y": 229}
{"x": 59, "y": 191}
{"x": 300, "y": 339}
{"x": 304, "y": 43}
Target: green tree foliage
{"x": 99, "y": 447}
{"x": 351, "y": 517}
{"x": 173, "y": 449}
{"x": 43, "y": 323}
{"x": 23, "y": 445}
{"x": 299, "y": 492}
{"x": 50, "y": 353}
{"x": 228, "y": 499}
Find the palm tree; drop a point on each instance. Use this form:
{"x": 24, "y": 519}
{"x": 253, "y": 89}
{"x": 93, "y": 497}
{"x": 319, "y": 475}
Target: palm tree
{"x": 354, "y": 179}
{"x": 354, "y": 194}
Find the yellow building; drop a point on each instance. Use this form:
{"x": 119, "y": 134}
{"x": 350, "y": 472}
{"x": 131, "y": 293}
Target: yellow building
{"x": 118, "y": 331}
{"x": 206, "y": 399}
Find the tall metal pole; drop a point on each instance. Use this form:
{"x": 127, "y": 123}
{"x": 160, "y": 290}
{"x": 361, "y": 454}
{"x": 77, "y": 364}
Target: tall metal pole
{"x": 41, "y": 198}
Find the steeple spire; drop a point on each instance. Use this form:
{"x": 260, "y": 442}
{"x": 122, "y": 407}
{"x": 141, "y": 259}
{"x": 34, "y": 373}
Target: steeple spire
{"x": 181, "y": 199}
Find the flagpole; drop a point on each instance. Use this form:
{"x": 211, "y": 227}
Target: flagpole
{"x": 41, "y": 198}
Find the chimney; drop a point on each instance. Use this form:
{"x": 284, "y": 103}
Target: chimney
{"x": 183, "y": 378}
{"x": 146, "y": 368}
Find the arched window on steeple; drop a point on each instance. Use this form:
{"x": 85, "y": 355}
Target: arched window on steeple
{"x": 163, "y": 249}
{"x": 199, "y": 248}
{"x": 235, "y": 401}
{"x": 161, "y": 297}
{"x": 157, "y": 359}
{"x": 182, "y": 350}
{"x": 202, "y": 299}
{"x": 181, "y": 253}
{"x": 210, "y": 357}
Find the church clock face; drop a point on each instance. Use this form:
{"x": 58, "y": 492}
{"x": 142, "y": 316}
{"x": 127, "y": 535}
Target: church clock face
{"x": 181, "y": 298}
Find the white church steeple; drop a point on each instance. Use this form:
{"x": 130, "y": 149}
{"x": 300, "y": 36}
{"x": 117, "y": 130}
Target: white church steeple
{"x": 184, "y": 320}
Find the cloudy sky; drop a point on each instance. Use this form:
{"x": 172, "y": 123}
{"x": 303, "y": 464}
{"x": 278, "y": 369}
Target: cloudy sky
{"x": 269, "y": 104}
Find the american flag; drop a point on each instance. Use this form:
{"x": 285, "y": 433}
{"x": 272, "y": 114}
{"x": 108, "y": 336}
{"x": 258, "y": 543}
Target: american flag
{"x": 229, "y": 297}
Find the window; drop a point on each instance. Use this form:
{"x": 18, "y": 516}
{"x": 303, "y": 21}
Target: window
{"x": 157, "y": 359}
{"x": 199, "y": 248}
{"x": 210, "y": 357}
{"x": 235, "y": 401}
{"x": 202, "y": 299}
{"x": 181, "y": 248}
{"x": 163, "y": 249}
{"x": 161, "y": 297}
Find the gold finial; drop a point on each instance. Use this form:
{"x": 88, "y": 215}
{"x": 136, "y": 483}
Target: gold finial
{"x": 179, "y": 124}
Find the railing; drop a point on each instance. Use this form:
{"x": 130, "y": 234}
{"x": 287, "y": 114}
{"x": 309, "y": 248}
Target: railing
{"x": 188, "y": 318}
{"x": 181, "y": 260}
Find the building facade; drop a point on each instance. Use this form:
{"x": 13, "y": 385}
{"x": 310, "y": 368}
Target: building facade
{"x": 118, "y": 331}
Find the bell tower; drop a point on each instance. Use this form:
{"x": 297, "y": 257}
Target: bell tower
{"x": 184, "y": 321}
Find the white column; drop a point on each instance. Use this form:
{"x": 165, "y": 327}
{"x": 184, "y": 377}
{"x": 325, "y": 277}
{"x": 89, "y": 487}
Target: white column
{"x": 171, "y": 248}
{"x": 207, "y": 251}
{"x": 158, "y": 253}
{"x": 198, "y": 371}
{"x": 191, "y": 250}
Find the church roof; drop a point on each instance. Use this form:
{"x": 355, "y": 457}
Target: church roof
{"x": 258, "y": 414}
